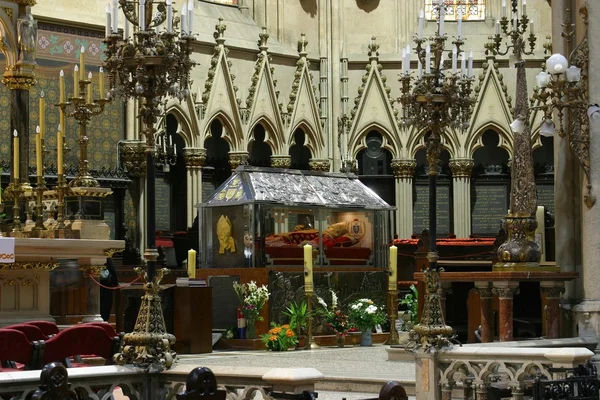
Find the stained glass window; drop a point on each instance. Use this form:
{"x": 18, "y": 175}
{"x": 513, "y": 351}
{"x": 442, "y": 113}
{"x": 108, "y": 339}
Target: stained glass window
{"x": 471, "y": 10}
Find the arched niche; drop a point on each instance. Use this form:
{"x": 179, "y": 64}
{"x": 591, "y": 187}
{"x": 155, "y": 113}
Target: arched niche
{"x": 216, "y": 167}
{"x": 375, "y": 167}
{"x": 259, "y": 150}
{"x": 299, "y": 152}
{"x": 490, "y": 158}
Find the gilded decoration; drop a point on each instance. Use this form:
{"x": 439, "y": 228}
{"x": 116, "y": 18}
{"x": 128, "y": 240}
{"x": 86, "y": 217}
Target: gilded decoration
{"x": 319, "y": 165}
{"x": 505, "y": 293}
{"x": 9, "y": 12}
{"x": 238, "y": 158}
{"x": 16, "y": 82}
{"x": 133, "y": 158}
{"x": 403, "y": 169}
{"x": 29, "y": 3}
{"x": 462, "y": 168}
{"x": 91, "y": 270}
{"x": 111, "y": 252}
{"x": 520, "y": 248}
{"x": 33, "y": 265}
{"x": 485, "y": 293}
{"x": 225, "y": 235}
{"x": 281, "y": 161}
{"x": 194, "y": 158}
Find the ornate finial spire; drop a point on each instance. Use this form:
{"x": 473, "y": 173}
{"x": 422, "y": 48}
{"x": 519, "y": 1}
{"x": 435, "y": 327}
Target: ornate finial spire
{"x": 220, "y": 31}
{"x": 262, "y": 41}
{"x": 373, "y": 47}
{"x": 302, "y": 43}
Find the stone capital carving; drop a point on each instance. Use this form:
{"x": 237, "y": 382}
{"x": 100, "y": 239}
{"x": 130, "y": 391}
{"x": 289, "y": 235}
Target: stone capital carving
{"x": 133, "y": 157}
{"x": 91, "y": 270}
{"x": 237, "y": 158}
{"x": 485, "y": 293}
{"x": 16, "y": 82}
{"x": 403, "y": 169}
{"x": 281, "y": 161}
{"x": 194, "y": 158}
{"x": 553, "y": 292}
{"x": 319, "y": 165}
{"x": 349, "y": 166}
{"x": 462, "y": 168}
{"x": 505, "y": 293}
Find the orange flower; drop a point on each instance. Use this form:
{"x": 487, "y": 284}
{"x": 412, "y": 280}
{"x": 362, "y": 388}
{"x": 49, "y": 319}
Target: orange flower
{"x": 272, "y": 331}
{"x": 289, "y": 333}
{"x": 273, "y": 338}
{"x": 286, "y": 326}
{"x": 276, "y": 330}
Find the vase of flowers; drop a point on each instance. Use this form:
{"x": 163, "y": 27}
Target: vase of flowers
{"x": 280, "y": 338}
{"x": 252, "y": 299}
{"x": 364, "y": 314}
{"x": 334, "y": 317}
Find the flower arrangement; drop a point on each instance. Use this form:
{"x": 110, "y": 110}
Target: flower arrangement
{"x": 279, "y": 338}
{"x": 364, "y": 314}
{"x": 335, "y": 318}
{"x": 252, "y": 298}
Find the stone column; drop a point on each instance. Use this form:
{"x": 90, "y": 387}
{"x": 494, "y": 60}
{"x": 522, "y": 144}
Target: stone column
{"x": 505, "y": 292}
{"x": 588, "y": 311}
{"x": 427, "y": 375}
{"x": 194, "y": 159}
{"x": 486, "y": 296}
{"x": 92, "y": 292}
{"x": 281, "y": 161}
{"x": 461, "y": 186}
{"x": 550, "y": 292}
{"x": 517, "y": 391}
{"x": 404, "y": 171}
{"x": 237, "y": 158}
{"x": 447, "y": 390}
{"x": 481, "y": 390}
{"x": 323, "y": 165}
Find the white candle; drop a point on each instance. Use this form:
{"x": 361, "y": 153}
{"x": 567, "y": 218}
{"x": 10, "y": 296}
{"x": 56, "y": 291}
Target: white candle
{"x": 169, "y": 16}
{"x": 459, "y": 24}
{"x": 115, "y": 16}
{"x": 497, "y": 27}
{"x": 515, "y": 20}
{"x": 454, "y": 53}
{"x": 524, "y": 7}
{"x": 170, "y": 140}
{"x": 108, "y": 23}
{"x": 126, "y": 29}
{"x": 190, "y": 20}
{"x": 470, "y": 70}
{"x": 427, "y": 59}
{"x": 76, "y": 81}
{"x": 393, "y": 277}
{"x": 463, "y": 63}
{"x": 59, "y": 151}
{"x": 184, "y": 18}
{"x": 308, "y": 265}
{"x": 82, "y": 63}
{"x": 38, "y": 152}
{"x": 403, "y": 61}
{"x": 142, "y": 14}
{"x": 191, "y": 263}
{"x": 407, "y": 58}
{"x": 419, "y": 69}
{"x": 531, "y": 28}
{"x": 15, "y": 155}
{"x": 442, "y": 15}
{"x": 420, "y": 29}
{"x": 503, "y": 8}
{"x": 89, "y": 89}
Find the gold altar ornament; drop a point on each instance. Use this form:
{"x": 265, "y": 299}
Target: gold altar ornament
{"x": 224, "y": 235}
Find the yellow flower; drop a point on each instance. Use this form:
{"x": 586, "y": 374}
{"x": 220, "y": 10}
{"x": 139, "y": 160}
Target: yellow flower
{"x": 289, "y": 333}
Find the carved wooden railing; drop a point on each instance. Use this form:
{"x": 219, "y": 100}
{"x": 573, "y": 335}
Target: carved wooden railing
{"x": 474, "y": 371}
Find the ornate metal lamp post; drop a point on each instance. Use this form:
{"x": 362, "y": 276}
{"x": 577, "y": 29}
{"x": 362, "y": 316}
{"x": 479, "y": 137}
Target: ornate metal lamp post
{"x": 150, "y": 64}
{"x": 520, "y": 251}
{"x": 434, "y": 100}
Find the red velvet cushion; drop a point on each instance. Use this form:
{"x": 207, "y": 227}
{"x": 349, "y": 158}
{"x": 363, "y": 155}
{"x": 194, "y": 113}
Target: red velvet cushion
{"x": 31, "y": 331}
{"x": 110, "y": 331}
{"x": 48, "y": 328}
{"x": 80, "y": 339}
{"x": 14, "y": 346}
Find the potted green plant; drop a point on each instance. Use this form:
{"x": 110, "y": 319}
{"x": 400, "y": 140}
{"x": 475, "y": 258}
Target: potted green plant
{"x": 409, "y": 317}
{"x": 280, "y": 338}
{"x": 365, "y": 314}
{"x": 298, "y": 315}
{"x": 335, "y": 318}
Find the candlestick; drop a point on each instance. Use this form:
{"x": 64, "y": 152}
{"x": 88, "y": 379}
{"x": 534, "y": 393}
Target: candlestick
{"x": 454, "y": 54}
{"x": 101, "y": 82}
{"x": 89, "y": 89}
{"x": 470, "y": 70}
{"x": 191, "y": 263}
{"x": 76, "y": 82}
{"x": 82, "y": 63}
{"x": 59, "y": 151}
{"x": 463, "y": 63}
{"x": 524, "y": 7}
{"x": 16, "y": 156}
{"x": 42, "y": 114}
{"x": 497, "y": 27}
{"x": 503, "y": 8}
{"x": 408, "y": 51}
{"x": 183, "y": 18}
{"x": 459, "y": 24}
{"x": 38, "y": 152}
{"x": 515, "y": 20}
{"x": 427, "y": 59}
{"x": 393, "y": 277}
{"x": 115, "y": 16}
{"x": 169, "y": 16}
{"x": 308, "y": 266}
{"x": 419, "y": 69}
{"x": 142, "y": 14}
{"x": 442, "y": 15}
{"x": 403, "y": 60}
{"x": 420, "y": 29}
{"x": 126, "y": 30}
{"x": 531, "y": 28}
{"x": 108, "y": 29}
{"x": 61, "y": 87}
{"x": 190, "y": 20}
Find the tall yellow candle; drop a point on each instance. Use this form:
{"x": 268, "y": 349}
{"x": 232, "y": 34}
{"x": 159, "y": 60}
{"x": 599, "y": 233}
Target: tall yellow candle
{"x": 101, "y": 82}
{"x": 76, "y": 81}
{"x": 16, "y": 155}
{"x": 42, "y": 114}
{"x": 38, "y": 152}
{"x": 59, "y": 150}
{"x": 308, "y": 265}
{"x": 61, "y": 87}
{"x": 89, "y": 89}
{"x": 191, "y": 262}
{"x": 393, "y": 277}
{"x": 82, "y": 63}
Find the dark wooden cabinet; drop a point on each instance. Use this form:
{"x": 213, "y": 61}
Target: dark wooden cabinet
{"x": 193, "y": 319}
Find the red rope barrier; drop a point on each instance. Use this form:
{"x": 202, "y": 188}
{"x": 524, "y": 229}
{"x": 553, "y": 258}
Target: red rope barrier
{"x": 451, "y": 257}
{"x": 116, "y": 287}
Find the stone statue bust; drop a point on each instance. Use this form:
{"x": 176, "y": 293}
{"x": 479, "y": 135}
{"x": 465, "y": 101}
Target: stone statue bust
{"x": 27, "y": 32}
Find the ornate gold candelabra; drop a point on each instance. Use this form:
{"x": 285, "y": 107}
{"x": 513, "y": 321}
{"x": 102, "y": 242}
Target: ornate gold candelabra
{"x": 434, "y": 100}
{"x": 151, "y": 64}
{"x": 15, "y": 193}
{"x": 84, "y": 108}
{"x": 39, "y": 204}
{"x": 565, "y": 88}
{"x": 520, "y": 251}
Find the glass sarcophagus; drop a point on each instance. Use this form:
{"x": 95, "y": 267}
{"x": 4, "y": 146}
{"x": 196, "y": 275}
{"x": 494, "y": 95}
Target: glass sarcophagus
{"x": 264, "y": 217}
